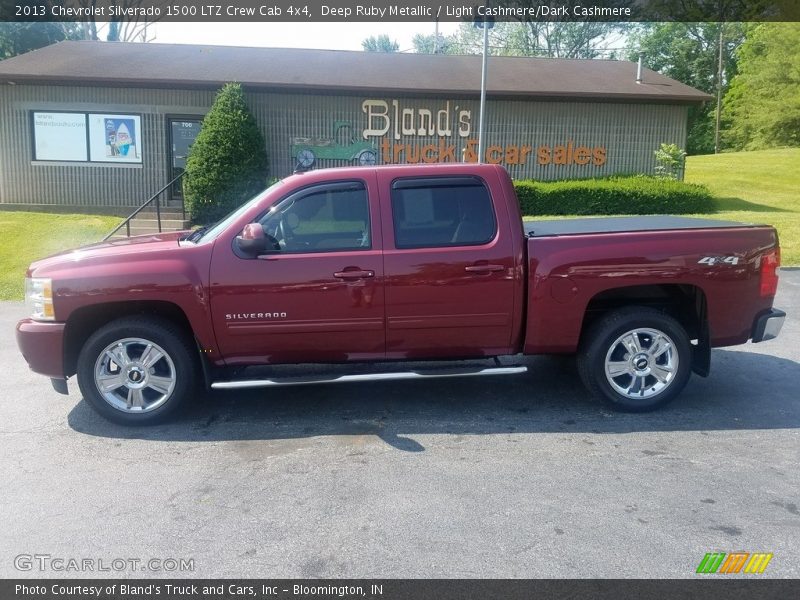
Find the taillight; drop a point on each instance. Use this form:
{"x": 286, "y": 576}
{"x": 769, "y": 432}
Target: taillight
{"x": 769, "y": 272}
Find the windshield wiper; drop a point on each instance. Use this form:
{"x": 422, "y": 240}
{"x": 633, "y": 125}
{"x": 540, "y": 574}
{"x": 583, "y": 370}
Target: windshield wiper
{"x": 197, "y": 234}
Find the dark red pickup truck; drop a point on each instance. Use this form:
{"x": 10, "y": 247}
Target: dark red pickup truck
{"x": 397, "y": 263}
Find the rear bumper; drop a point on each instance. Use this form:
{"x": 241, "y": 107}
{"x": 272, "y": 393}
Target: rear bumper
{"x": 42, "y": 346}
{"x": 768, "y": 326}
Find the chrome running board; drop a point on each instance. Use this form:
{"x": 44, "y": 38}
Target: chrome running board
{"x": 284, "y": 381}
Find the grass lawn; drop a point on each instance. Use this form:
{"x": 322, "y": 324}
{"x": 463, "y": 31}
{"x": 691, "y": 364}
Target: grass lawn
{"x": 752, "y": 187}
{"x": 755, "y": 187}
{"x": 28, "y": 236}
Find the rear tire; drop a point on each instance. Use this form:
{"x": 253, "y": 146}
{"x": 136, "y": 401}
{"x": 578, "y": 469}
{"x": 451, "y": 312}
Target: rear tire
{"x": 635, "y": 359}
{"x": 137, "y": 370}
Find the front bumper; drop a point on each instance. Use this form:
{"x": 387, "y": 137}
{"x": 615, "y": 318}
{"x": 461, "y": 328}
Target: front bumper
{"x": 42, "y": 346}
{"x": 768, "y": 326}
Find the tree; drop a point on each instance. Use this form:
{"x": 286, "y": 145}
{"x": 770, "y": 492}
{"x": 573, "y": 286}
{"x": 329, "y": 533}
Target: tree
{"x": 567, "y": 39}
{"x": 21, "y": 37}
{"x": 515, "y": 38}
{"x": 718, "y": 10}
{"x": 557, "y": 38}
{"x": 129, "y": 31}
{"x": 688, "y": 52}
{"x": 426, "y": 44}
{"x": 762, "y": 106}
{"x": 18, "y": 38}
{"x": 227, "y": 163}
{"x": 381, "y": 43}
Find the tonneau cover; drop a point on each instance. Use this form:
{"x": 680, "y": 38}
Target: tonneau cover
{"x": 622, "y": 224}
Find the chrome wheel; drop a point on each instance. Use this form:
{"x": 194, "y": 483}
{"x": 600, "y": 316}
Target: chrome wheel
{"x": 641, "y": 363}
{"x": 134, "y": 375}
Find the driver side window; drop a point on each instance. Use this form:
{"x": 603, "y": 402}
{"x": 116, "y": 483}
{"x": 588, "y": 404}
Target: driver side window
{"x": 327, "y": 218}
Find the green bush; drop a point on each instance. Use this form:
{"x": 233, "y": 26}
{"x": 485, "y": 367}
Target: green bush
{"x": 670, "y": 161}
{"x": 635, "y": 195}
{"x": 227, "y": 163}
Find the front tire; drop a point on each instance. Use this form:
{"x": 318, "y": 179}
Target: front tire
{"x": 137, "y": 370}
{"x": 635, "y": 359}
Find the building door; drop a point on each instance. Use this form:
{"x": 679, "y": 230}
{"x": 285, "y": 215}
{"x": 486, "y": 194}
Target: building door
{"x": 182, "y": 133}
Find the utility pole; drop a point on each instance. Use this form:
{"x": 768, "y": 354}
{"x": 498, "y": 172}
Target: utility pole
{"x": 719, "y": 92}
{"x": 482, "y": 119}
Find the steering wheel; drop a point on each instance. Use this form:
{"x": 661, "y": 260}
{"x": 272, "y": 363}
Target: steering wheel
{"x": 287, "y": 223}
{"x": 284, "y": 232}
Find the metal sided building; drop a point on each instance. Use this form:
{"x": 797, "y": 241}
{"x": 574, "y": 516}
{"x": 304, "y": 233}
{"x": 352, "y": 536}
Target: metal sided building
{"x": 101, "y": 126}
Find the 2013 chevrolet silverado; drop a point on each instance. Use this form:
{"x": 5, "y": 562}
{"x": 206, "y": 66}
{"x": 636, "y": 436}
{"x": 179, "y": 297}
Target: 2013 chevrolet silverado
{"x": 397, "y": 263}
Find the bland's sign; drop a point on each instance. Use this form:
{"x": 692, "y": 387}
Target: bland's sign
{"x": 447, "y": 127}
{"x": 413, "y": 121}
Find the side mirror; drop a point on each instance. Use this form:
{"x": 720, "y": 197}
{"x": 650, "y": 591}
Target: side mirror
{"x": 253, "y": 240}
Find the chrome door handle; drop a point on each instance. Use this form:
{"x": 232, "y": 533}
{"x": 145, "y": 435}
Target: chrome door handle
{"x": 483, "y": 268}
{"x": 354, "y": 274}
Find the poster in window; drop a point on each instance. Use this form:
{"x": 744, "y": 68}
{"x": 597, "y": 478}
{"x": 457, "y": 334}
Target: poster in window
{"x": 59, "y": 136}
{"x": 115, "y": 138}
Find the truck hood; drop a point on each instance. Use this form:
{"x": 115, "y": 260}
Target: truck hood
{"x": 140, "y": 245}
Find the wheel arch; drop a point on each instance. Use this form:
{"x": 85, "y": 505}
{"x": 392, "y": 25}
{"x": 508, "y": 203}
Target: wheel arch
{"x": 637, "y": 361}
{"x": 84, "y": 321}
{"x": 686, "y": 303}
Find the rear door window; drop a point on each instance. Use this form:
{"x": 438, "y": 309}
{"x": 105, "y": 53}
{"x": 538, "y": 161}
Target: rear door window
{"x": 441, "y": 212}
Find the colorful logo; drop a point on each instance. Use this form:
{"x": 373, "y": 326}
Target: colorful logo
{"x": 735, "y": 562}
{"x": 342, "y": 145}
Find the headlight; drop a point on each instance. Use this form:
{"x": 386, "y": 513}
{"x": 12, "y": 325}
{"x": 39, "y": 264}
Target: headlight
{"x": 39, "y": 298}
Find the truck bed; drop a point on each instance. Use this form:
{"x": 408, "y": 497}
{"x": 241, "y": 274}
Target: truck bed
{"x": 535, "y": 229}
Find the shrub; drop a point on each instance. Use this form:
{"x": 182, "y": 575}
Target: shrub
{"x": 670, "y": 161}
{"x": 634, "y": 195}
{"x": 227, "y": 163}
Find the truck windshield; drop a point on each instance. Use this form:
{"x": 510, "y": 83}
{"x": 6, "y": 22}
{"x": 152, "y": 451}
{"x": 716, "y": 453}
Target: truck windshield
{"x": 210, "y": 232}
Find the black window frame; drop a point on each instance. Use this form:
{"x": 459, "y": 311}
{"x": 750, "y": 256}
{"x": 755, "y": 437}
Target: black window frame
{"x": 441, "y": 181}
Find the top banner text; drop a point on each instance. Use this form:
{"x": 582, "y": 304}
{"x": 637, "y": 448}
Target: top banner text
{"x": 142, "y": 11}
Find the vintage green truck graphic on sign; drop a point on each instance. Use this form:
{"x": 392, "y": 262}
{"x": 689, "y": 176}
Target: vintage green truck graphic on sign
{"x": 342, "y": 145}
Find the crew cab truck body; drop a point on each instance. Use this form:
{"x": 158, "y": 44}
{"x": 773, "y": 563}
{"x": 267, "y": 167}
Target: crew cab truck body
{"x": 396, "y": 263}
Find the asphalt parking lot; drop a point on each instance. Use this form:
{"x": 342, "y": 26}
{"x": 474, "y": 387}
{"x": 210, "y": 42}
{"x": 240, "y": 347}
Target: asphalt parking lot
{"x": 520, "y": 476}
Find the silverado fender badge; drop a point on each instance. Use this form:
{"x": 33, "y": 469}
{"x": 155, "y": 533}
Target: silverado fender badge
{"x": 259, "y": 315}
